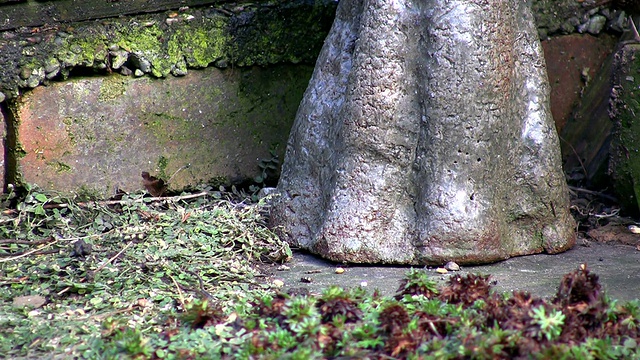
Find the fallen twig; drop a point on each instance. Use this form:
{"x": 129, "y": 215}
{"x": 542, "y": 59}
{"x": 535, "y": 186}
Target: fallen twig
{"x": 27, "y": 253}
{"x": 180, "y": 296}
{"x": 112, "y": 258}
{"x": 596, "y": 193}
{"x": 98, "y": 269}
{"x": 605, "y": 215}
{"x": 117, "y": 202}
{"x": 115, "y": 312}
{"x": 26, "y": 242}
{"x": 584, "y": 170}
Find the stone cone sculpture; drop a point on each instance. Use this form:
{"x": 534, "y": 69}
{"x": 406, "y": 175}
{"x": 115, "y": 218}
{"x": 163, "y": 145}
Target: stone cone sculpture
{"x": 425, "y": 136}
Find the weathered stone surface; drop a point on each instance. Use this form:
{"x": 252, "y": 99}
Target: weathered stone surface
{"x": 2, "y": 148}
{"x": 165, "y": 43}
{"x": 99, "y": 133}
{"x": 424, "y": 137}
{"x": 573, "y": 61}
{"x": 580, "y": 74}
{"x": 557, "y": 17}
{"x": 20, "y": 13}
{"x": 625, "y": 111}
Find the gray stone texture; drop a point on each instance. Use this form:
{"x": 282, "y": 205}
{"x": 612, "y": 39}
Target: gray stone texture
{"x": 160, "y": 43}
{"x": 425, "y": 136}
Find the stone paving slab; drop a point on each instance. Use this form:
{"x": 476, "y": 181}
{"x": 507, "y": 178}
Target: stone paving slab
{"x": 618, "y": 267}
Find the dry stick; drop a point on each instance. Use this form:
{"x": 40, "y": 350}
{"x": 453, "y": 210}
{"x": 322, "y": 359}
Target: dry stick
{"x": 586, "y": 175}
{"x": 26, "y": 242}
{"x": 177, "y": 171}
{"x": 433, "y": 328}
{"x": 202, "y": 291}
{"x": 113, "y": 258}
{"x": 118, "y": 202}
{"x": 179, "y": 292}
{"x": 98, "y": 269}
{"x": 26, "y": 253}
{"x": 44, "y": 241}
{"x": 92, "y": 235}
{"x": 116, "y": 312}
{"x": 41, "y": 252}
{"x": 591, "y": 192}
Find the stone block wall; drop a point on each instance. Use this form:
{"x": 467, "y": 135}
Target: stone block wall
{"x": 97, "y": 134}
{"x": 211, "y": 87}
{"x": 92, "y": 95}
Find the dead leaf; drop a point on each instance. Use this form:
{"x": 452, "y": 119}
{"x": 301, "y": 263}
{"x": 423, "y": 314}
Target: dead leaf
{"x": 34, "y": 301}
{"x": 156, "y": 187}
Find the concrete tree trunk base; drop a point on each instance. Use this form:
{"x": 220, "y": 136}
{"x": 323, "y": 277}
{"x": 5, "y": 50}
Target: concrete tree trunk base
{"x": 425, "y": 136}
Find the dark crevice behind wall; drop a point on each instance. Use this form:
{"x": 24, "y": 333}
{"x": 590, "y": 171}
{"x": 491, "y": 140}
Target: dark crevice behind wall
{"x": 31, "y": 13}
{"x": 10, "y": 143}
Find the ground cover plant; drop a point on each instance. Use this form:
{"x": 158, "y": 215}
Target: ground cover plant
{"x": 184, "y": 277}
{"x": 74, "y": 273}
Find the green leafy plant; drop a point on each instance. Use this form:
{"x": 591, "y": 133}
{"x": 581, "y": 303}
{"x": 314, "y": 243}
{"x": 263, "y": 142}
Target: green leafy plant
{"x": 417, "y": 282}
{"x": 550, "y": 323}
{"x": 268, "y": 168}
{"x": 186, "y": 278}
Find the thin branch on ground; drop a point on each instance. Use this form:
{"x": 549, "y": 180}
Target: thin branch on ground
{"x": 596, "y": 193}
{"x": 26, "y": 242}
{"x": 117, "y": 202}
{"x": 27, "y": 253}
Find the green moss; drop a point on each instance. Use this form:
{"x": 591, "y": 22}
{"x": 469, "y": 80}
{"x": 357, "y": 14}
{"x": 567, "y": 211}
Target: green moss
{"x": 84, "y": 129}
{"x": 198, "y": 45}
{"x": 59, "y": 167}
{"x": 140, "y": 38}
{"x": 168, "y": 128}
{"x": 27, "y": 64}
{"x": 147, "y": 41}
{"x": 162, "y": 167}
{"x": 276, "y": 35}
{"x": 111, "y": 88}
{"x": 627, "y": 172}
{"x": 538, "y": 238}
{"x": 86, "y": 48}
{"x": 261, "y": 34}
{"x": 68, "y": 122}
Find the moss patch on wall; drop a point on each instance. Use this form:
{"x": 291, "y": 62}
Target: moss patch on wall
{"x": 168, "y": 42}
{"x": 112, "y": 88}
{"x": 113, "y": 127}
{"x": 625, "y": 147}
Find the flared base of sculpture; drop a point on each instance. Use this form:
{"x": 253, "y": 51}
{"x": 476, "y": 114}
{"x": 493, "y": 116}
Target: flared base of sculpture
{"x": 424, "y": 137}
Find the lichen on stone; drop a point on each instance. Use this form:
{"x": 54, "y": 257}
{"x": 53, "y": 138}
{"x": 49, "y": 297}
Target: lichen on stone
{"x": 112, "y": 88}
{"x": 253, "y": 35}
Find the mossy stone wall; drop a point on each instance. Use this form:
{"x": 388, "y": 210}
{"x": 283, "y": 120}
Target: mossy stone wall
{"x": 215, "y": 87}
{"x": 625, "y": 110}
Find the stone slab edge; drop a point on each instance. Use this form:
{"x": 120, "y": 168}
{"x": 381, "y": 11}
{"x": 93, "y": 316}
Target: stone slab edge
{"x": 16, "y": 14}
{"x": 165, "y": 43}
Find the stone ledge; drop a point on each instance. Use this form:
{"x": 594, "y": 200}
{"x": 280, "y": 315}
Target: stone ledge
{"x": 17, "y": 13}
{"x": 164, "y": 43}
